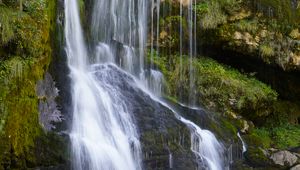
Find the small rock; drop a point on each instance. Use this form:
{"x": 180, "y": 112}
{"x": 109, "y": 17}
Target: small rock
{"x": 295, "y": 149}
{"x": 163, "y": 35}
{"x": 231, "y": 115}
{"x": 241, "y": 15}
{"x": 272, "y": 150}
{"x": 237, "y": 36}
{"x": 295, "y": 58}
{"x": 295, "y": 34}
{"x": 297, "y": 167}
{"x": 284, "y": 158}
{"x": 245, "y": 127}
{"x": 184, "y": 2}
{"x": 263, "y": 33}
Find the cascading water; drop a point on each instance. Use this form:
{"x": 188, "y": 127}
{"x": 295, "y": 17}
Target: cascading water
{"x": 206, "y": 146}
{"x": 208, "y": 150}
{"x": 243, "y": 143}
{"x": 122, "y": 21}
{"x": 103, "y": 53}
{"x": 103, "y": 135}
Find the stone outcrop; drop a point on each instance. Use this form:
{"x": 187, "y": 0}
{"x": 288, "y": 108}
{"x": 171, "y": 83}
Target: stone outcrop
{"x": 284, "y": 158}
{"x": 280, "y": 159}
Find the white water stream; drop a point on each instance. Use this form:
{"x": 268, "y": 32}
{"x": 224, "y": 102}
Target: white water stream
{"x": 103, "y": 133}
{"x": 243, "y": 143}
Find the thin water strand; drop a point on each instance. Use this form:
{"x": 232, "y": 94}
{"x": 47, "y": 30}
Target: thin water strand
{"x": 243, "y": 142}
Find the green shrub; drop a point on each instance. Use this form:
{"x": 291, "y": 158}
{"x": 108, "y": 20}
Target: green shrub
{"x": 282, "y": 137}
{"x": 286, "y": 136}
{"x": 214, "y": 16}
{"x": 6, "y": 28}
{"x": 260, "y": 137}
{"x": 266, "y": 50}
{"x": 247, "y": 26}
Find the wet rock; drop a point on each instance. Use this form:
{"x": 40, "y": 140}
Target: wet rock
{"x": 161, "y": 134}
{"x": 295, "y": 150}
{"x": 257, "y": 157}
{"x": 272, "y": 150}
{"x": 47, "y": 93}
{"x": 284, "y": 158}
{"x": 246, "y": 127}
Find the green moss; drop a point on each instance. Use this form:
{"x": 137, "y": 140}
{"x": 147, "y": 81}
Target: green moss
{"x": 228, "y": 125}
{"x": 214, "y": 16}
{"x": 282, "y": 137}
{"x": 217, "y": 86}
{"x": 257, "y": 157}
{"x": 285, "y": 11}
{"x": 267, "y": 52}
{"x": 169, "y": 34}
{"x": 23, "y": 62}
{"x": 20, "y": 119}
{"x": 6, "y": 28}
{"x": 26, "y": 32}
{"x": 223, "y": 128}
{"x": 286, "y": 136}
{"x": 259, "y": 138}
{"x": 251, "y": 26}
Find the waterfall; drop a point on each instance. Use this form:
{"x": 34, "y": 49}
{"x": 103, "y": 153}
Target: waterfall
{"x": 156, "y": 82}
{"x": 103, "y": 134}
{"x": 124, "y": 22}
{"x": 206, "y": 146}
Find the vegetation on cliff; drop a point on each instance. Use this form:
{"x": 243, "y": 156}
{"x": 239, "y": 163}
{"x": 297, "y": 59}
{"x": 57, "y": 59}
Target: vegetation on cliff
{"x": 225, "y": 90}
{"x": 217, "y": 86}
{"x": 263, "y": 29}
{"x": 266, "y": 30}
{"x": 25, "y": 53}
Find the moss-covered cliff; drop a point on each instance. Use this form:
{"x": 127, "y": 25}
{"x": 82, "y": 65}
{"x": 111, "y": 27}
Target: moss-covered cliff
{"x": 25, "y": 54}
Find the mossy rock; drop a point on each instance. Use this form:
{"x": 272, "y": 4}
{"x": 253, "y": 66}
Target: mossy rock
{"x": 257, "y": 157}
